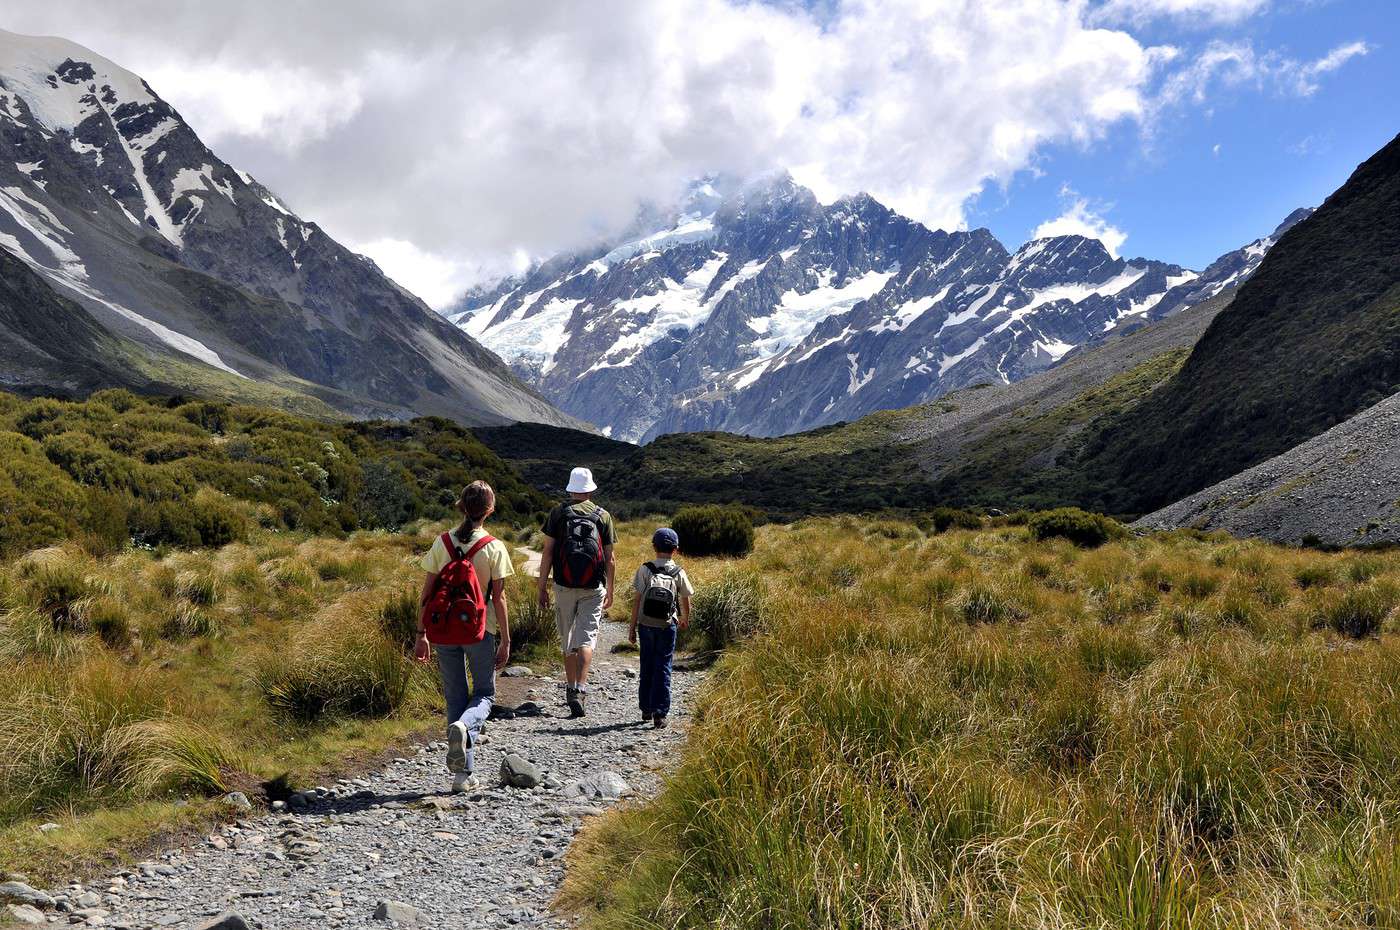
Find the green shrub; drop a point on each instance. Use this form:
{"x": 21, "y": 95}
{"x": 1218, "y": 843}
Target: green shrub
{"x": 1078, "y": 526}
{"x": 387, "y": 498}
{"x": 984, "y": 602}
{"x": 216, "y": 521}
{"x": 56, "y": 588}
{"x": 398, "y": 619}
{"x": 530, "y": 624}
{"x": 1359, "y": 612}
{"x": 726, "y": 611}
{"x": 714, "y": 530}
{"x": 189, "y": 621}
{"x": 350, "y": 672}
{"x": 943, "y": 519}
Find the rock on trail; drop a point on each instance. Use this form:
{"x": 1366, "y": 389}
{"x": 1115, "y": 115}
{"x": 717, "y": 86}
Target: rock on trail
{"x": 395, "y": 847}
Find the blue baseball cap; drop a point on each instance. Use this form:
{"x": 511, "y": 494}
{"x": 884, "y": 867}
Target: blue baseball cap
{"x": 665, "y": 539}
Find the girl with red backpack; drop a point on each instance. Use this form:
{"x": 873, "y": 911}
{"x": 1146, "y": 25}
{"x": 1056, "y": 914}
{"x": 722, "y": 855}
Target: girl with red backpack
{"x": 465, "y": 620}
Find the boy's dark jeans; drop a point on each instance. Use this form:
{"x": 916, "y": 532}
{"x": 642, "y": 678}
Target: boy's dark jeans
{"x": 658, "y": 647}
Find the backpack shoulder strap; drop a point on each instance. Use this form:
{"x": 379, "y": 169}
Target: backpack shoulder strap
{"x": 480, "y": 544}
{"x": 453, "y": 553}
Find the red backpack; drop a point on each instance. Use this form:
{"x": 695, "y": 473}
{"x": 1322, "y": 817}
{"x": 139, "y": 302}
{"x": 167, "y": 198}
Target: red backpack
{"x": 455, "y": 613}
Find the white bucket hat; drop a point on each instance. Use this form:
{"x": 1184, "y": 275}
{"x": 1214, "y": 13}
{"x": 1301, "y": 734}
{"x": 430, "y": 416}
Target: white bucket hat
{"x": 581, "y": 481}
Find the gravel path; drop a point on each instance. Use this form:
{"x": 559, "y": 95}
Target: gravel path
{"x": 491, "y": 858}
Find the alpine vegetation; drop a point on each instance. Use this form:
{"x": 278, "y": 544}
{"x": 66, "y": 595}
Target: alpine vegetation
{"x": 978, "y": 729}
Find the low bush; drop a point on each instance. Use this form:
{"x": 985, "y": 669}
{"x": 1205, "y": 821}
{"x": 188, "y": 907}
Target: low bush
{"x": 185, "y": 620}
{"x": 398, "y": 619}
{"x": 714, "y": 530}
{"x": 199, "y": 474}
{"x": 1078, "y": 526}
{"x": 102, "y": 730}
{"x": 531, "y": 626}
{"x": 1359, "y": 612}
{"x": 942, "y": 519}
{"x": 342, "y": 666}
{"x": 725, "y": 611}
{"x": 987, "y": 602}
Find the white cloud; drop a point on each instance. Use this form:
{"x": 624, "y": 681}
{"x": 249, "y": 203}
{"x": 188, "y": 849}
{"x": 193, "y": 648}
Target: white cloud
{"x": 1082, "y": 219}
{"x": 1215, "y": 150}
{"x": 435, "y": 278}
{"x": 447, "y": 138}
{"x": 1201, "y": 12}
{"x": 1305, "y": 79}
{"x": 1237, "y": 64}
{"x": 472, "y": 131}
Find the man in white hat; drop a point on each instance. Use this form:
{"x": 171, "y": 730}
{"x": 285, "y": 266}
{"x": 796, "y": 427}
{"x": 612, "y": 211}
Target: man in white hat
{"x": 578, "y": 555}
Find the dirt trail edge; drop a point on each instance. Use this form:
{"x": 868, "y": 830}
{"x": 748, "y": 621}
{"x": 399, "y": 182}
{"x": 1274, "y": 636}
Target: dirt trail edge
{"x": 396, "y": 843}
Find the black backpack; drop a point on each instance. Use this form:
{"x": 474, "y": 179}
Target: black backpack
{"x": 660, "y": 598}
{"x": 578, "y": 560}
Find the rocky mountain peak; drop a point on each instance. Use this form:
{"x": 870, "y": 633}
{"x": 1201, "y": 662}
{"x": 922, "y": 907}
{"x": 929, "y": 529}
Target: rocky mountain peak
{"x": 775, "y": 313}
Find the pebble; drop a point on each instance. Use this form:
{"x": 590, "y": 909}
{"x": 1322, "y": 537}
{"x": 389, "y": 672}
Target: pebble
{"x": 607, "y": 786}
{"x": 239, "y": 800}
{"x": 333, "y": 856}
{"x": 26, "y": 914}
{"x": 402, "y": 914}
{"x": 520, "y": 773}
{"x": 225, "y": 921}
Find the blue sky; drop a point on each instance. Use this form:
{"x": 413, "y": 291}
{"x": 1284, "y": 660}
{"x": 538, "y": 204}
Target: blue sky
{"x": 1165, "y": 184}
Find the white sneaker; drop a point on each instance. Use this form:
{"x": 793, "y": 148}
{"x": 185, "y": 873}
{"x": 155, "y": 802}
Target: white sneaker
{"x": 458, "y": 739}
{"x": 463, "y": 782}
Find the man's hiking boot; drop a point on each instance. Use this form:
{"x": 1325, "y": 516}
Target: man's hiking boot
{"x": 463, "y": 782}
{"x": 659, "y": 721}
{"x": 647, "y": 716}
{"x": 576, "y": 698}
{"x": 459, "y": 740}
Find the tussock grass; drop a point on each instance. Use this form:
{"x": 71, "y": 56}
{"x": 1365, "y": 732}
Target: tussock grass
{"x": 985, "y": 731}
{"x": 342, "y": 664}
{"x": 133, "y": 678}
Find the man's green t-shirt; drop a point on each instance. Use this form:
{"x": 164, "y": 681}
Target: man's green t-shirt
{"x": 554, "y": 523}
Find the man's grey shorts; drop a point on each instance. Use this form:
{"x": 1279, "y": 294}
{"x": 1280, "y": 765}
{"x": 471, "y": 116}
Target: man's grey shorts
{"x": 578, "y": 613}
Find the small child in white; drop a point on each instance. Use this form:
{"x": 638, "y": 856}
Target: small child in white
{"x": 660, "y": 606}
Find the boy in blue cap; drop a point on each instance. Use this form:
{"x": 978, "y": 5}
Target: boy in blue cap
{"x": 660, "y": 607}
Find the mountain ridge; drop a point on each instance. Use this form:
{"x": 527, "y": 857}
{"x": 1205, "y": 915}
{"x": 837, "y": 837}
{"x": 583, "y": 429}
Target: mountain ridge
{"x": 114, "y": 200}
{"x": 759, "y": 310}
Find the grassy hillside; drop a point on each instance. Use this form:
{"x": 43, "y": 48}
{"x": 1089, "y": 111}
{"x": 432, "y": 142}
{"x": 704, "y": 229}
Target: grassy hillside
{"x": 975, "y": 730}
{"x": 180, "y": 472}
{"x": 1311, "y": 339}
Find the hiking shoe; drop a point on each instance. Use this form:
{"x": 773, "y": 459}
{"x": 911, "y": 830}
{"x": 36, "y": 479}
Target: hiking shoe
{"x": 464, "y": 782}
{"x": 659, "y": 721}
{"x": 647, "y": 716}
{"x": 459, "y": 740}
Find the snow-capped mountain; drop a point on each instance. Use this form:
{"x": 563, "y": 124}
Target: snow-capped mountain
{"x": 759, "y": 310}
{"x": 195, "y": 269}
